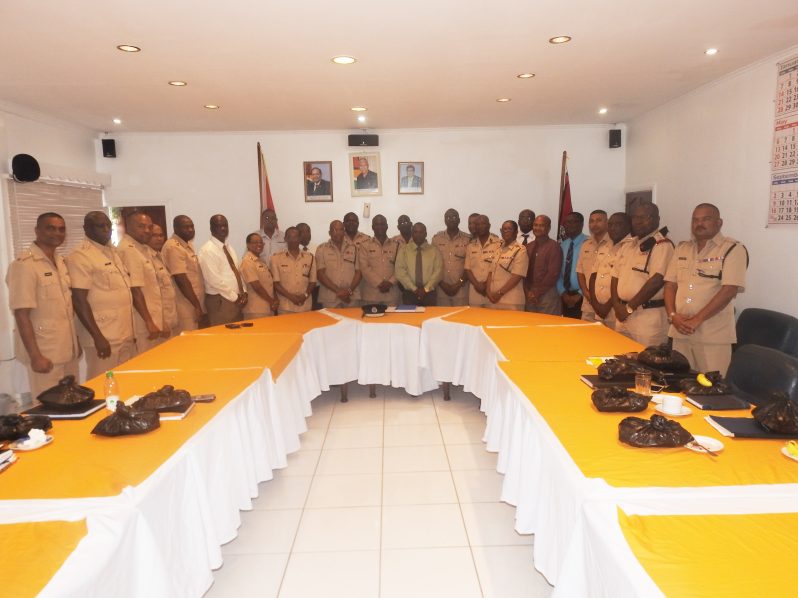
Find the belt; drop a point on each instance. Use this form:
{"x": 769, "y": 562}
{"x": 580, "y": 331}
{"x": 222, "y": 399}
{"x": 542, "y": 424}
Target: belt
{"x": 649, "y": 304}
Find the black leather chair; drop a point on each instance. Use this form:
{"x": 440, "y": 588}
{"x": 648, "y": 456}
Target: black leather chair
{"x": 769, "y": 329}
{"x": 756, "y": 372}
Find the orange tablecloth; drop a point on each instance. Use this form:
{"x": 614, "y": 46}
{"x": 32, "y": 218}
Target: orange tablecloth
{"x": 412, "y": 319}
{"x": 79, "y": 464}
{"x": 221, "y": 351}
{"x": 591, "y": 438}
{"x": 31, "y": 553}
{"x": 296, "y": 323}
{"x": 716, "y": 555}
{"x": 480, "y": 316}
{"x": 560, "y": 343}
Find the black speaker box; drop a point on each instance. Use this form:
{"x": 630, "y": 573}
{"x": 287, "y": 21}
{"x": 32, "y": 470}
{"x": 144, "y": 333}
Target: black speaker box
{"x": 25, "y": 168}
{"x": 615, "y": 138}
{"x": 109, "y": 148}
{"x": 364, "y": 140}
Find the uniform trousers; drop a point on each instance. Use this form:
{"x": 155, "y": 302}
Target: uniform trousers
{"x": 340, "y": 304}
{"x": 549, "y": 303}
{"x": 221, "y": 310}
{"x": 410, "y": 298}
{"x": 119, "y": 354}
{"x": 41, "y": 382}
{"x": 705, "y": 357}
{"x": 649, "y": 327}
{"x": 505, "y": 307}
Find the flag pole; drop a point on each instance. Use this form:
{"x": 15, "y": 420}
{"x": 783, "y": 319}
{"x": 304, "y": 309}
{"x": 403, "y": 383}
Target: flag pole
{"x": 260, "y": 179}
{"x": 562, "y": 186}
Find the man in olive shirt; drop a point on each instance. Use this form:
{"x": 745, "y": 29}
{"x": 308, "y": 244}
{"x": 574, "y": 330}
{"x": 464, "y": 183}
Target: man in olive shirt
{"x": 596, "y": 243}
{"x": 419, "y": 267}
{"x": 101, "y": 297}
{"x": 482, "y": 250}
{"x": 183, "y": 264}
{"x": 38, "y": 286}
{"x": 702, "y": 280}
{"x": 294, "y": 274}
{"x": 377, "y": 262}
{"x": 261, "y": 300}
{"x": 452, "y": 243}
{"x": 504, "y": 285}
{"x": 338, "y": 269}
{"x": 148, "y": 323}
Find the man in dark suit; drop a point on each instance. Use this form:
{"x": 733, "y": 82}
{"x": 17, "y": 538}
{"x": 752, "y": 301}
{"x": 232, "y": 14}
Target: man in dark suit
{"x": 366, "y": 179}
{"x": 411, "y": 181}
{"x": 316, "y": 185}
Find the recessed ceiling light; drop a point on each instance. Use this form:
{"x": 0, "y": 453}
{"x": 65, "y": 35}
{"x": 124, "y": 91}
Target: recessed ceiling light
{"x": 560, "y": 39}
{"x": 711, "y": 51}
{"x": 212, "y": 106}
{"x": 178, "y": 83}
{"x": 503, "y": 100}
{"x": 525, "y": 75}
{"x": 602, "y": 111}
{"x": 343, "y": 59}
{"x": 117, "y": 121}
{"x": 128, "y": 48}
{"x": 358, "y": 109}
{"x": 361, "y": 119}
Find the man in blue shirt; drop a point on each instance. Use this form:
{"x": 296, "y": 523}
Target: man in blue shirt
{"x": 568, "y": 283}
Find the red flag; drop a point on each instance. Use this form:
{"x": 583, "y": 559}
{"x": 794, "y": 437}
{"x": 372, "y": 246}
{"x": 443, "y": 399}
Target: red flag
{"x": 266, "y": 201}
{"x": 565, "y": 206}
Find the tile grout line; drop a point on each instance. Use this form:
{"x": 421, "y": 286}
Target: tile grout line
{"x": 382, "y": 494}
{"x": 305, "y": 503}
{"x": 459, "y": 505}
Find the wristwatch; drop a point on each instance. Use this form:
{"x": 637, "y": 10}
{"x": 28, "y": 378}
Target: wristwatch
{"x": 670, "y": 317}
{"x": 629, "y": 309}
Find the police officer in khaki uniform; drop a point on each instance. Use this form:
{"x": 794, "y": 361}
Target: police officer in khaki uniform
{"x": 638, "y": 276}
{"x": 405, "y": 226}
{"x": 38, "y": 286}
{"x": 504, "y": 287}
{"x": 294, "y": 274}
{"x": 338, "y": 269}
{"x": 183, "y": 264}
{"x": 596, "y": 243}
{"x": 600, "y": 275}
{"x": 702, "y": 280}
{"x": 101, "y": 297}
{"x": 377, "y": 261}
{"x": 351, "y": 225}
{"x": 260, "y": 285}
{"x": 168, "y": 293}
{"x": 482, "y": 250}
{"x": 452, "y": 243}
{"x": 148, "y": 322}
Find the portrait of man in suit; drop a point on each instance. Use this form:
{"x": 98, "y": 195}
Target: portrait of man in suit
{"x": 411, "y": 177}
{"x": 318, "y": 181}
{"x": 366, "y": 174}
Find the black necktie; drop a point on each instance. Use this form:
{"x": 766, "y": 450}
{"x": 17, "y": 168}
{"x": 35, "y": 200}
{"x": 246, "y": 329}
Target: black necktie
{"x": 569, "y": 261}
{"x": 526, "y": 239}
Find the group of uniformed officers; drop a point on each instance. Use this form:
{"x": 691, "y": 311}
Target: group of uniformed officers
{"x": 627, "y": 274}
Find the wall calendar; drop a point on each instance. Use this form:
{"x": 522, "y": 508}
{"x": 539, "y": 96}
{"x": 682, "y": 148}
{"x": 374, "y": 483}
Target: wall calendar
{"x": 784, "y": 159}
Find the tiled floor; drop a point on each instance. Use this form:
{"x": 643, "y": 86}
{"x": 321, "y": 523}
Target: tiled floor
{"x": 389, "y": 497}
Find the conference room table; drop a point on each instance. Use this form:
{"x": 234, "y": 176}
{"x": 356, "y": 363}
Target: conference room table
{"x": 148, "y": 514}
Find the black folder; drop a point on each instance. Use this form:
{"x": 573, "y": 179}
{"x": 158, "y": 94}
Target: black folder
{"x": 718, "y": 402}
{"x": 747, "y": 427}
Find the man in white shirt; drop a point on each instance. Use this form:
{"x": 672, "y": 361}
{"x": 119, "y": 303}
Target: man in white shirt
{"x": 224, "y": 288}
{"x": 273, "y": 238}
{"x": 525, "y": 220}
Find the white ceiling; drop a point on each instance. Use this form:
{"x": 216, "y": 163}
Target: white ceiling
{"x": 422, "y": 63}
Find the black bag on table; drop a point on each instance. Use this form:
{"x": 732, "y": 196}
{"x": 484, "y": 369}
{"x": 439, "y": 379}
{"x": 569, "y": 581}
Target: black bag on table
{"x": 656, "y": 432}
{"x": 617, "y": 398}
{"x": 14, "y": 427}
{"x": 125, "y": 421}
{"x": 663, "y": 357}
{"x": 693, "y": 388}
{"x": 780, "y": 415}
{"x": 165, "y": 399}
{"x": 66, "y": 393}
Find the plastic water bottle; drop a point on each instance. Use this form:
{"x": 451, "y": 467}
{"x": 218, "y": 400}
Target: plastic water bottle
{"x": 111, "y": 391}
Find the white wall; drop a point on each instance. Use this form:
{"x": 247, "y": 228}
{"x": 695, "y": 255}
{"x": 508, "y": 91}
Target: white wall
{"x": 713, "y": 145}
{"x": 493, "y": 171}
{"x": 51, "y": 142}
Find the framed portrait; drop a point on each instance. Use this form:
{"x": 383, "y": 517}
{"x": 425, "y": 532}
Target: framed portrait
{"x": 411, "y": 178}
{"x": 318, "y": 181}
{"x": 365, "y": 174}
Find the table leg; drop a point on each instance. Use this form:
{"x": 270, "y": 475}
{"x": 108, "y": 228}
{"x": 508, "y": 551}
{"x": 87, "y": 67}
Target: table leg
{"x": 344, "y": 397}
{"x": 446, "y": 391}
{"x": 372, "y": 391}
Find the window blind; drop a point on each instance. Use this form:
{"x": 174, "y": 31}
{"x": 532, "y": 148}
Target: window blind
{"x": 27, "y": 200}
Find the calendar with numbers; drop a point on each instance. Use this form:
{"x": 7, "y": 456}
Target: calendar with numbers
{"x": 784, "y": 158}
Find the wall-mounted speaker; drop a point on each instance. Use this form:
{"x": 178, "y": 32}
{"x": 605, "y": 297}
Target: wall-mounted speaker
{"x": 364, "y": 140}
{"x": 25, "y": 168}
{"x": 615, "y": 138}
{"x": 109, "y": 148}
